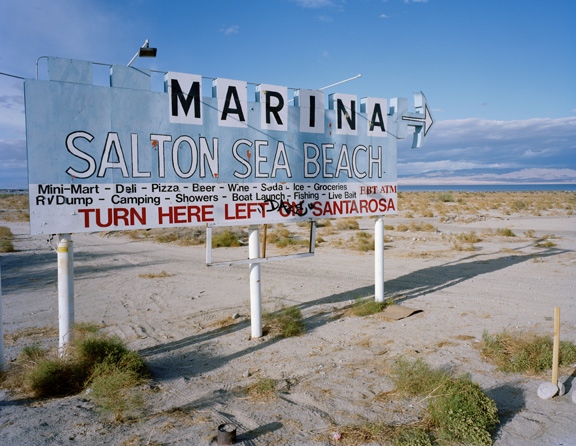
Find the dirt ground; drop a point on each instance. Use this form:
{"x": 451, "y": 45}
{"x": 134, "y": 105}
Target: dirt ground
{"x": 192, "y": 326}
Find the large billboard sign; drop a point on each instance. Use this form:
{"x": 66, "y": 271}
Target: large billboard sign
{"x": 123, "y": 156}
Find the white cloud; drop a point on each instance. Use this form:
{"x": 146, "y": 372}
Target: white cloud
{"x": 534, "y": 176}
{"x": 229, "y": 30}
{"x": 493, "y": 151}
{"x": 11, "y": 107}
{"x": 314, "y": 3}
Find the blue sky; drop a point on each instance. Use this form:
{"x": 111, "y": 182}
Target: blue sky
{"x": 498, "y": 74}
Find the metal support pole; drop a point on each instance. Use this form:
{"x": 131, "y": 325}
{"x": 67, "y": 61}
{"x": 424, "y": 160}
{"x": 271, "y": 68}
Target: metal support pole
{"x": 2, "y": 359}
{"x": 255, "y": 291}
{"x": 65, "y": 291}
{"x": 379, "y": 259}
{"x": 556, "y": 346}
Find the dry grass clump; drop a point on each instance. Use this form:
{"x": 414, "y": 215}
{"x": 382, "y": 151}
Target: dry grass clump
{"x": 348, "y": 223}
{"x": 14, "y": 207}
{"x": 285, "y": 323}
{"x": 505, "y": 232}
{"x": 545, "y": 241}
{"x": 162, "y": 274}
{"x": 367, "y": 307}
{"x": 457, "y": 411}
{"x": 93, "y": 361}
{"x": 465, "y": 241}
{"x": 228, "y": 238}
{"x": 468, "y": 237}
{"x": 527, "y": 203}
{"x": 189, "y": 236}
{"x": 282, "y": 237}
{"x": 524, "y": 352}
{"x": 361, "y": 241}
{"x": 416, "y": 226}
{"x": 263, "y": 388}
{"x": 6, "y": 237}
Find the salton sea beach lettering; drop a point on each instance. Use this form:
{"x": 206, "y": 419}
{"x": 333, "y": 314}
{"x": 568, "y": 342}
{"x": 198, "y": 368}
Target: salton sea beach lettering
{"x": 125, "y": 157}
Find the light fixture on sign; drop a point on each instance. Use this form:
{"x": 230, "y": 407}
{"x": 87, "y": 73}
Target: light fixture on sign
{"x": 144, "y": 51}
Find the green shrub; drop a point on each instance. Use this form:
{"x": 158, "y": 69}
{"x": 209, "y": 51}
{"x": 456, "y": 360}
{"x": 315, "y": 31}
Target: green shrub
{"x": 416, "y": 378}
{"x": 348, "y": 223}
{"x": 6, "y": 237}
{"x": 458, "y": 410}
{"x": 412, "y": 436}
{"x": 56, "y": 377}
{"x": 461, "y": 413}
{"x": 285, "y": 323}
{"x": 262, "y": 388}
{"x": 33, "y": 353}
{"x": 445, "y": 197}
{"x": 225, "y": 239}
{"x": 282, "y": 237}
{"x": 505, "y": 232}
{"x": 422, "y": 227}
{"x": 103, "y": 364}
{"x": 468, "y": 237}
{"x": 366, "y": 307}
{"x": 112, "y": 389}
{"x": 362, "y": 241}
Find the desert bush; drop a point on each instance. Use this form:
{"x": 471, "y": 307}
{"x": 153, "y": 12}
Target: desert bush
{"x": 362, "y": 241}
{"x": 263, "y": 388}
{"x": 459, "y": 412}
{"x": 462, "y": 413}
{"x": 112, "y": 387}
{"x": 323, "y": 222}
{"x": 56, "y": 377}
{"x": 468, "y": 247}
{"x": 446, "y": 197}
{"x": 343, "y": 224}
{"x": 518, "y": 205}
{"x": 6, "y": 237}
{"x": 283, "y": 237}
{"x": 284, "y": 323}
{"x": 468, "y": 237}
{"x": 422, "y": 227}
{"x": 524, "y": 352}
{"x": 225, "y": 239}
{"x": 103, "y": 364}
{"x": 505, "y": 232}
{"x": 412, "y": 436}
{"x": 545, "y": 242}
{"x": 366, "y": 307}
{"x": 162, "y": 274}
{"x": 14, "y": 207}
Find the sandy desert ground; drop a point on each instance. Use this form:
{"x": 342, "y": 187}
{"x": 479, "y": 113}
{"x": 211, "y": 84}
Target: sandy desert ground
{"x": 333, "y": 374}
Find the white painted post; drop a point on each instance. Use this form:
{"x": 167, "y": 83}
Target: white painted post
{"x": 2, "y": 360}
{"x": 65, "y": 291}
{"x": 379, "y": 259}
{"x": 255, "y": 290}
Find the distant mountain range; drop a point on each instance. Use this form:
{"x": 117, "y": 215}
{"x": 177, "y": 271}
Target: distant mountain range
{"x": 491, "y": 176}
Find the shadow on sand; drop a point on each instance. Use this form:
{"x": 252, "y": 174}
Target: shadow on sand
{"x": 409, "y": 286}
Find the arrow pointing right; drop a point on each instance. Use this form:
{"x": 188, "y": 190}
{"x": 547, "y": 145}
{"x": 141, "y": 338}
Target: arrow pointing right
{"x": 422, "y": 122}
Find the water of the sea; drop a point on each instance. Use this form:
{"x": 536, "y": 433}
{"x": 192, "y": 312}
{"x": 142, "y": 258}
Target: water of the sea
{"x": 488, "y": 188}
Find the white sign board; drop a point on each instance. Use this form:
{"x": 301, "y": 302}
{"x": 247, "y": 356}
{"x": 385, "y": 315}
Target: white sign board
{"x": 124, "y": 157}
